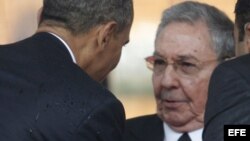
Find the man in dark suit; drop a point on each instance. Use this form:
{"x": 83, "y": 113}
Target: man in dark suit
{"x": 191, "y": 40}
{"x": 228, "y": 99}
{"x": 50, "y": 82}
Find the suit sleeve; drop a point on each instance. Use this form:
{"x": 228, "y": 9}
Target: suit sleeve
{"x": 105, "y": 123}
{"x": 228, "y": 102}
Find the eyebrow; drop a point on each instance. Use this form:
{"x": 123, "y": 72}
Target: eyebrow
{"x": 187, "y": 57}
{"x": 157, "y": 54}
{"x": 180, "y": 57}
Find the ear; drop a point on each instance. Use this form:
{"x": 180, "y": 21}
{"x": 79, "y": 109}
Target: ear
{"x": 247, "y": 35}
{"x": 106, "y": 32}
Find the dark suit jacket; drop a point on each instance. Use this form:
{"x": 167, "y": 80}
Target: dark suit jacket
{"x": 44, "y": 96}
{"x": 144, "y": 128}
{"x": 228, "y": 98}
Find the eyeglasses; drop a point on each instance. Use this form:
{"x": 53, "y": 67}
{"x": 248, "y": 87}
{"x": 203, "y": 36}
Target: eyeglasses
{"x": 182, "y": 67}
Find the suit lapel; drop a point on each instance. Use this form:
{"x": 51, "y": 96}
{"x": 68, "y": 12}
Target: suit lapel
{"x": 155, "y": 130}
{"x": 152, "y": 130}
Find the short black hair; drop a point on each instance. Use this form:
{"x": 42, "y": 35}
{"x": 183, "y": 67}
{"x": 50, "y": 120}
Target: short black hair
{"x": 242, "y": 16}
{"x": 79, "y": 16}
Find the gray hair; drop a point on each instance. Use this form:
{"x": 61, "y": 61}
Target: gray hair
{"x": 219, "y": 25}
{"x": 79, "y": 16}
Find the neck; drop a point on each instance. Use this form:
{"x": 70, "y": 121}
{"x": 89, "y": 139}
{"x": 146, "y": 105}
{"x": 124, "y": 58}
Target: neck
{"x": 65, "y": 35}
{"x": 83, "y": 47}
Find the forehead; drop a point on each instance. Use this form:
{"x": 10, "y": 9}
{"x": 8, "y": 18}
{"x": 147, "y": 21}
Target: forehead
{"x": 183, "y": 39}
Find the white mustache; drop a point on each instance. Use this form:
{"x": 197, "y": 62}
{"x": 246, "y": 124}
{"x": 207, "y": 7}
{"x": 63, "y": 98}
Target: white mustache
{"x": 170, "y": 96}
{"x": 164, "y": 95}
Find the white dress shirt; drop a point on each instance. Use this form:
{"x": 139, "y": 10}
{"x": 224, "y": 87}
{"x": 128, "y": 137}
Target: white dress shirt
{"x": 67, "y": 46}
{"x": 171, "y": 135}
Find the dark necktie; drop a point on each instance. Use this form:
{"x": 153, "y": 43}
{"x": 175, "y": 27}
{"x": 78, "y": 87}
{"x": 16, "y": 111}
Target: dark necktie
{"x": 184, "y": 137}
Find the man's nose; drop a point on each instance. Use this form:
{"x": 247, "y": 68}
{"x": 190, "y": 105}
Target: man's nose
{"x": 169, "y": 78}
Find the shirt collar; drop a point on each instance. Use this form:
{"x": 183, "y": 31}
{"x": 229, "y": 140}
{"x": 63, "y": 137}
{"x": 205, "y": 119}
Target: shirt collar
{"x": 66, "y": 45}
{"x": 171, "y": 135}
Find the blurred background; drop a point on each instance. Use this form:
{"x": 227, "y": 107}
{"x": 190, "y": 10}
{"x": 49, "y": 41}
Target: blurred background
{"x": 131, "y": 80}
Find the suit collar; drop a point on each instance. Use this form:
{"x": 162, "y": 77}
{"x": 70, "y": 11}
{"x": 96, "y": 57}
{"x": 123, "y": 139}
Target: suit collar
{"x": 67, "y": 47}
{"x": 55, "y": 49}
{"x": 154, "y": 131}
{"x": 150, "y": 128}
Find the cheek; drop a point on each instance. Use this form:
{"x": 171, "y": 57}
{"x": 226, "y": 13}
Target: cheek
{"x": 157, "y": 89}
{"x": 118, "y": 56}
{"x": 195, "y": 87}
{"x": 116, "y": 53}
{"x": 116, "y": 59}
{"x": 156, "y": 84}
{"x": 197, "y": 91}
{"x": 113, "y": 58}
